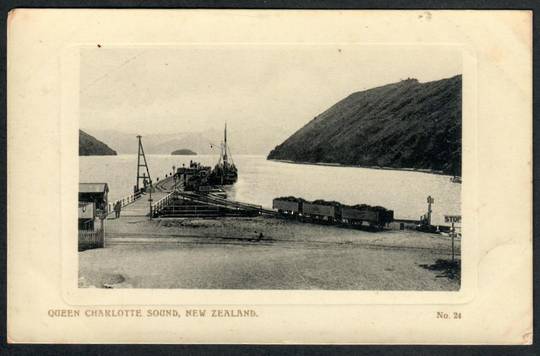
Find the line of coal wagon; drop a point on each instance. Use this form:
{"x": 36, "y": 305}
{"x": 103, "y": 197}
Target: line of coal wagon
{"x": 332, "y": 212}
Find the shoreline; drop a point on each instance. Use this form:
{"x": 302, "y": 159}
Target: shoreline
{"x": 340, "y": 165}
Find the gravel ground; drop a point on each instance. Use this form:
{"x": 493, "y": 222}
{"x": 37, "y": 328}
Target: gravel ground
{"x": 225, "y": 254}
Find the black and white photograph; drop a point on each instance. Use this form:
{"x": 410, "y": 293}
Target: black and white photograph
{"x": 270, "y": 167}
{"x": 283, "y": 177}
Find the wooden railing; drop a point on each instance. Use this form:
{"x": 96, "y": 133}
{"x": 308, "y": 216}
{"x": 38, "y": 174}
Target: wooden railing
{"x": 207, "y": 204}
{"x": 212, "y": 199}
{"x": 124, "y": 201}
{"x": 162, "y": 203}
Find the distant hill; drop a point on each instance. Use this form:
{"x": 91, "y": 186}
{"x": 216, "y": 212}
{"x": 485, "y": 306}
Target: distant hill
{"x": 165, "y": 144}
{"x": 183, "y": 151}
{"x": 90, "y": 146}
{"x": 126, "y": 143}
{"x": 402, "y": 125}
{"x": 242, "y": 140}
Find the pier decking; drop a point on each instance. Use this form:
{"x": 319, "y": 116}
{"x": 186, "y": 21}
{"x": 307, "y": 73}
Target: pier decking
{"x": 141, "y": 206}
{"x": 136, "y": 211}
{"x": 176, "y": 205}
{"x": 131, "y": 214}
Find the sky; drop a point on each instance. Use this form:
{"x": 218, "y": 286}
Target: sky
{"x": 267, "y": 92}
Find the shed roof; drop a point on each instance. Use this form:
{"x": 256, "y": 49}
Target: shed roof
{"x": 93, "y": 188}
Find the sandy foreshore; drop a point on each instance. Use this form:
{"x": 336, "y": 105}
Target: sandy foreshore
{"x": 329, "y": 164}
{"x": 230, "y": 253}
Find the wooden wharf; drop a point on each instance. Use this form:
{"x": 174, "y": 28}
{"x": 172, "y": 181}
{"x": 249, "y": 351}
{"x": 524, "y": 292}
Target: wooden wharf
{"x": 181, "y": 204}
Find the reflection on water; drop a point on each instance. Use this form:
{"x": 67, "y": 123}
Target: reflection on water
{"x": 259, "y": 181}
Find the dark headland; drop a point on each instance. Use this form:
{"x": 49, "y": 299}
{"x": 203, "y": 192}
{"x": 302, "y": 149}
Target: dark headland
{"x": 91, "y": 146}
{"x": 184, "y": 151}
{"x": 402, "y": 125}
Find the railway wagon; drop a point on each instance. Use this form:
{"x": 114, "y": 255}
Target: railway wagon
{"x": 375, "y": 216}
{"x": 333, "y": 212}
{"x": 389, "y": 216}
{"x": 326, "y": 212}
{"x": 356, "y": 215}
{"x": 286, "y": 206}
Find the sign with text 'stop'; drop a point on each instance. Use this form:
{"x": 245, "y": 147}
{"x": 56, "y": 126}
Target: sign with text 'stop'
{"x": 452, "y": 219}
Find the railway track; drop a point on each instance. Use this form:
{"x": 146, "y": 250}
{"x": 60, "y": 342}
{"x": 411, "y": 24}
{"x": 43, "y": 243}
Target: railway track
{"x": 165, "y": 185}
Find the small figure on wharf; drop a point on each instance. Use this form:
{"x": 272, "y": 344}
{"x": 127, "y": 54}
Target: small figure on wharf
{"x": 117, "y": 209}
{"x": 258, "y": 237}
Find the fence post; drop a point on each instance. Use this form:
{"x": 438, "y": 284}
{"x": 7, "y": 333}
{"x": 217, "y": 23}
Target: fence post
{"x": 453, "y": 233}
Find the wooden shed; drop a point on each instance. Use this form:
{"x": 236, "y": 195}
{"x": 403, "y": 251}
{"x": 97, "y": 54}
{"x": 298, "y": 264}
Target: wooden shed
{"x": 96, "y": 193}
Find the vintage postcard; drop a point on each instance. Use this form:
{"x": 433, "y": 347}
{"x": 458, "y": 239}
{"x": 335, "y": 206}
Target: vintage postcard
{"x": 249, "y": 176}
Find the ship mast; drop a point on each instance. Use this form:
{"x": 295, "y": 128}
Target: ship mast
{"x": 225, "y": 147}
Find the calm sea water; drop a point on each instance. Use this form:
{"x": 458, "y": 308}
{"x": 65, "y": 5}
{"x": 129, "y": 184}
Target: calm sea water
{"x": 260, "y": 181}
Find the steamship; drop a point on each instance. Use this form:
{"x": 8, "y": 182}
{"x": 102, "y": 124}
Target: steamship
{"x": 224, "y": 172}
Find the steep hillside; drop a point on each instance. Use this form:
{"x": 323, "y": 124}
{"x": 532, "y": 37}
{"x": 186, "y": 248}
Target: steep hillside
{"x": 90, "y": 146}
{"x": 401, "y": 125}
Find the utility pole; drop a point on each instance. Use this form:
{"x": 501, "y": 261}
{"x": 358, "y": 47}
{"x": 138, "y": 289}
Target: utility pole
{"x": 453, "y": 236}
{"x": 453, "y": 219}
{"x": 430, "y": 201}
{"x": 174, "y": 178}
{"x": 150, "y": 200}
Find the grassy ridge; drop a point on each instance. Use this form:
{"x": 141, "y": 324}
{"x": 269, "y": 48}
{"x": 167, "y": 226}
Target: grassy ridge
{"x": 401, "y": 125}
